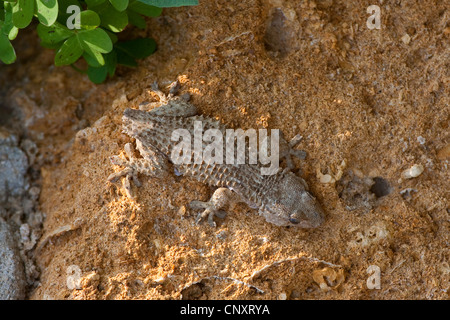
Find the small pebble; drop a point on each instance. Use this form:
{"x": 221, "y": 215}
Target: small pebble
{"x": 325, "y": 178}
{"x": 182, "y": 211}
{"x": 421, "y": 140}
{"x": 406, "y": 38}
{"x": 413, "y": 172}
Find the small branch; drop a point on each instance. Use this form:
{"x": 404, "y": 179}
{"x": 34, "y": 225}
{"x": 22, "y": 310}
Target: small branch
{"x": 311, "y": 259}
{"x": 226, "y": 279}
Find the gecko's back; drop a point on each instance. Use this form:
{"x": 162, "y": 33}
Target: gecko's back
{"x": 282, "y": 197}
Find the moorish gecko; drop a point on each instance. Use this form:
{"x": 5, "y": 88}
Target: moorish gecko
{"x": 282, "y": 198}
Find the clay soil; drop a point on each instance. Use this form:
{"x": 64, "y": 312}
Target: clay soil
{"x": 369, "y": 103}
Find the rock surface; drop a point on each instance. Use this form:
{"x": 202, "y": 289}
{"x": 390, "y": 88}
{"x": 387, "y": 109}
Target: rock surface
{"x": 12, "y": 276}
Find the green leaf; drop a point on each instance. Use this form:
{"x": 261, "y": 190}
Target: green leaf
{"x": 93, "y": 3}
{"x": 95, "y": 55}
{"x": 69, "y": 52}
{"x": 112, "y": 36}
{"x": 6, "y": 14}
{"x": 7, "y": 53}
{"x": 119, "y": 5}
{"x": 94, "y": 43}
{"x": 54, "y": 34}
{"x": 48, "y": 45}
{"x": 144, "y": 9}
{"x": 111, "y": 62}
{"x": 91, "y": 61}
{"x": 111, "y": 18}
{"x": 12, "y": 34}
{"x": 89, "y": 20}
{"x": 7, "y": 27}
{"x": 47, "y": 11}
{"x": 23, "y": 13}
{"x": 128, "y": 51}
{"x": 169, "y": 3}
{"x": 63, "y": 5}
{"x": 97, "y": 75}
{"x": 124, "y": 59}
{"x": 97, "y": 40}
{"x": 138, "y": 48}
{"x": 136, "y": 19}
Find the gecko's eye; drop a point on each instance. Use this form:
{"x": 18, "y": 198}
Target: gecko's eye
{"x": 294, "y": 221}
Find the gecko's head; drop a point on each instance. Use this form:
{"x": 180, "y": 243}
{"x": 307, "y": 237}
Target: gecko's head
{"x": 294, "y": 206}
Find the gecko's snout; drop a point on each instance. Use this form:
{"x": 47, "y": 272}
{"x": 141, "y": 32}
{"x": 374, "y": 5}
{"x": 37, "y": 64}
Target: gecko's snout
{"x": 309, "y": 215}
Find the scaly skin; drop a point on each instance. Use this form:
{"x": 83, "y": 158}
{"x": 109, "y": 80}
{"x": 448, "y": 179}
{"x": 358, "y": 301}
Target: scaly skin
{"x": 282, "y": 198}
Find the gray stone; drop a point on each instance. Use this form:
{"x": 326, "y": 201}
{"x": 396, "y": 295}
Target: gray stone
{"x": 13, "y": 168}
{"x": 12, "y": 276}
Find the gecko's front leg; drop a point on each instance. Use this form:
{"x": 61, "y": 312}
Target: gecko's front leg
{"x": 170, "y": 105}
{"x": 151, "y": 164}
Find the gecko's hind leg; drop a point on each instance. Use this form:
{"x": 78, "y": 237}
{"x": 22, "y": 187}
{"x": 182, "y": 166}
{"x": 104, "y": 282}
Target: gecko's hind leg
{"x": 222, "y": 198}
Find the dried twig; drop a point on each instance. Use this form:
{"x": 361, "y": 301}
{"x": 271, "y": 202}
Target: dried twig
{"x": 226, "y": 279}
{"x": 258, "y": 272}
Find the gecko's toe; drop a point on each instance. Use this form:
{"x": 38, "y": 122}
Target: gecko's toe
{"x": 295, "y": 140}
{"x": 127, "y": 187}
{"x": 208, "y": 214}
{"x": 174, "y": 87}
{"x": 201, "y": 216}
{"x": 211, "y": 221}
{"x": 300, "y": 154}
{"x": 114, "y": 177}
{"x": 215, "y": 213}
{"x": 126, "y": 183}
{"x": 196, "y": 204}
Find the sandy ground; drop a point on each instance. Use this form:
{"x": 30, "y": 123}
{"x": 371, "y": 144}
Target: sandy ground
{"x": 369, "y": 103}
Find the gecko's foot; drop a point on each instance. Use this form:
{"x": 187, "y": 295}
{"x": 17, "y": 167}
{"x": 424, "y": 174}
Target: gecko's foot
{"x": 174, "y": 87}
{"x": 221, "y": 199}
{"x": 288, "y": 151}
{"x": 129, "y": 176}
{"x": 209, "y": 213}
{"x": 131, "y": 167}
{"x": 163, "y": 98}
{"x": 128, "y": 173}
{"x": 170, "y": 104}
